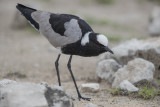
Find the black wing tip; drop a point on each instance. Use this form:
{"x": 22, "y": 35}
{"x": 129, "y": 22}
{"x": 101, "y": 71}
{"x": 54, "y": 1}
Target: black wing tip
{"x": 20, "y": 6}
{"x": 26, "y": 12}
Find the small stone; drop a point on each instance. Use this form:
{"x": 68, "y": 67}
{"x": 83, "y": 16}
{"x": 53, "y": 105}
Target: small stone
{"x": 126, "y": 85}
{"x": 90, "y": 87}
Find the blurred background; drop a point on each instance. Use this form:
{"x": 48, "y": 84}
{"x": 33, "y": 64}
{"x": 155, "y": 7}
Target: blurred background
{"x": 25, "y": 55}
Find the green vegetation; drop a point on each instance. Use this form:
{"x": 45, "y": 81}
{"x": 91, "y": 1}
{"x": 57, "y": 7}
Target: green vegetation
{"x": 144, "y": 92}
{"x": 105, "y": 1}
{"x": 114, "y": 38}
{"x": 158, "y": 92}
{"x": 147, "y": 93}
{"x": 94, "y": 21}
{"x": 115, "y": 91}
{"x": 106, "y": 22}
{"x": 118, "y": 91}
{"x": 158, "y": 80}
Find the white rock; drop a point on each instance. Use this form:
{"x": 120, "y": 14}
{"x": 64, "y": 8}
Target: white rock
{"x": 22, "y": 95}
{"x": 16, "y": 94}
{"x": 126, "y": 85}
{"x": 5, "y": 82}
{"x": 56, "y": 97}
{"x": 135, "y": 71}
{"x": 129, "y": 48}
{"x": 91, "y": 105}
{"x": 61, "y": 88}
{"x": 106, "y": 69}
{"x": 147, "y": 49}
{"x": 90, "y": 87}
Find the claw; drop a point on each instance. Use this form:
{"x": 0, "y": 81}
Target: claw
{"x": 80, "y": 97}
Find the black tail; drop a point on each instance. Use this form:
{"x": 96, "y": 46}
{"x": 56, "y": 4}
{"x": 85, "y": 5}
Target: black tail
{"x": 27, "y": 12}
{"x": 21, "y": 7}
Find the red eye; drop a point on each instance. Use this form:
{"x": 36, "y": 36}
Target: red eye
{"x": 97, "y": 43}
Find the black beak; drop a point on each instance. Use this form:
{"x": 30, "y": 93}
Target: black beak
{"x": 108, "y": 50}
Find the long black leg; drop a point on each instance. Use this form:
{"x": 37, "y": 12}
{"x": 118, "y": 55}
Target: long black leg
{"x": 57, "y": 70}
{"x": 69, "y": 67}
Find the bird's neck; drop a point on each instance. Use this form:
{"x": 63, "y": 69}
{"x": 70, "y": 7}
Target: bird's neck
{"x": 78, "y": 49}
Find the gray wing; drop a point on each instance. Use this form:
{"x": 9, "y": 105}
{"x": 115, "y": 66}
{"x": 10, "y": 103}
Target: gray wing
{"x": 59, "y": 29}
{"x": 59, "y": 23}
{"x": 68, "y": 32}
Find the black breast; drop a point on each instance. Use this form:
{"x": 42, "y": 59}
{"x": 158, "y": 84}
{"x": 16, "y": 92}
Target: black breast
{"x": 78, "y": 49}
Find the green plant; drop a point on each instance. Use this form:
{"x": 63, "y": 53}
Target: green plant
{"x": 158, "y": 92}
{"x": 147, "y": 93}
{"x": 158, "y": 80}
{"x": 115, "y": 91}
{"x": 94, "y": 21}
{"x": 107, "y": 22}
{"x": 105, "y": 1}
{"x": 144, "y": 92}
{"x": 114, "y": 38}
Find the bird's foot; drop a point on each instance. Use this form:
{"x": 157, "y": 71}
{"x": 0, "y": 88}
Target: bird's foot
{"x": 80, "y": 97}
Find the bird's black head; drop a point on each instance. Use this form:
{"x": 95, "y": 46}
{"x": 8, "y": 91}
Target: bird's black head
{"x": 96, "y": 43}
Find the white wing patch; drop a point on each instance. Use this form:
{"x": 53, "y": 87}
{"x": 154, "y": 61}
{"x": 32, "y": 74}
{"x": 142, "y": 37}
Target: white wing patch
{"x": 102, "y": 40}
{"x": 85, "y": 39}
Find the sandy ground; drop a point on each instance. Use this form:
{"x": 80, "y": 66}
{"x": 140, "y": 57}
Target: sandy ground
{"x": 26, "y": 56}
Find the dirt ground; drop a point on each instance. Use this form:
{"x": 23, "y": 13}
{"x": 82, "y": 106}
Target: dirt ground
{"x": 27, "y": 56}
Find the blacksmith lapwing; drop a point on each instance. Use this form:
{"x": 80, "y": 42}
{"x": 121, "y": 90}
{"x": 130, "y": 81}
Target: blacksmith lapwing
{"x": 69, "y": 33}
